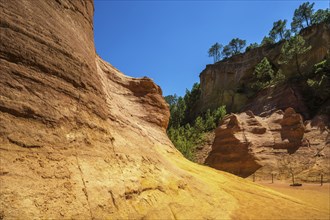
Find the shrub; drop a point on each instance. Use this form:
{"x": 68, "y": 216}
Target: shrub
{"x": 263, "y": 75}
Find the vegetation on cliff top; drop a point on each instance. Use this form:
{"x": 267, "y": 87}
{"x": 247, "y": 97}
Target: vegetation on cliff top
{"x": 315, "y": 83}
{"x": 318, "y": 90}
{"x": 186, "y": 129}
{"x": 264, "y": 76}
{"x": 303, "y": 17}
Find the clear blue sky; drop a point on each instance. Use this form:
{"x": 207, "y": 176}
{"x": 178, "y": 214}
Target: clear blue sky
{"x": 168, "y": 40}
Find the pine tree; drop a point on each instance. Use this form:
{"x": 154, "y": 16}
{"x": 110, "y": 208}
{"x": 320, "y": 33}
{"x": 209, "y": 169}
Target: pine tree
{"x": 214, "y": 52}
{"x": 302, "y": 17}
{"x": 263, "y": 74}
{"x": 279, "y": 30}
{"x": 292, "y": 50}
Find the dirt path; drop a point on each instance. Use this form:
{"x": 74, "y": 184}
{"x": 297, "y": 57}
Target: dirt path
{"x": 314, "y": 194}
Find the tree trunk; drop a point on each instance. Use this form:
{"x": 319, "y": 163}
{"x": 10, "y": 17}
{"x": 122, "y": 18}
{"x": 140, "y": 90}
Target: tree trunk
{"x": 292, "y": 178}
{"x": 321, "y": 179}
{"x": 306, "y": 19}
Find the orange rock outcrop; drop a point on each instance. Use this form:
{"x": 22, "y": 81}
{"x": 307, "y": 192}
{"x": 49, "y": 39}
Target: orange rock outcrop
{"x": 279, "y": 144}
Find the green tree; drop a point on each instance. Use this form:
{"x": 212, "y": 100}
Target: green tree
{"x": 199, "y": 125}
{"x": 191, "y": 99}
{"x": 218, "y": 114}
{"x": 302, "y": 17}
{"x": 171, "y": 100}
{"x": 226, "y": 52}
{"x": 209, "y": 121}
{"x": 292, "y": 50}
{"x": 214, "y": 52}
{"x": 263, "y": 74}
{"x": 321, "y": 16}
{"x": 234, "y": 47}
{"x": 279, "y": 30}
{"x": 178, "y": 113}
{"x": 251, "y": 46}
{"x": 184, "y": 135}
{"x": 179, "y": 137}
{"x": 267, "y": 41}
{"x": 319, "y": 86}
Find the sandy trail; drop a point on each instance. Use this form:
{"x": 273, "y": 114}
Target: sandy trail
{"x": 315, "y": 195}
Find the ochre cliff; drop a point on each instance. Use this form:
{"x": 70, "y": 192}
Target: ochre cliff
{"x": 79, "y": 140}
{"x": 280, "y": 144}
{"x": 224, "y": 82}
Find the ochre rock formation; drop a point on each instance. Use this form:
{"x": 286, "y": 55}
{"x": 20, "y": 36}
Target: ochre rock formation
{"x": 79, "y": 140}
{"x": 224, "y": 82}
{"x": 271, "y": 99}
{"x": 246, "y": 144}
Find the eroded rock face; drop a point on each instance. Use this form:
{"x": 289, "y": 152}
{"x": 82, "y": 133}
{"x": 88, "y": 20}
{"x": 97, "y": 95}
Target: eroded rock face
{"x": 246, "y": 144}
{"x": 233, "y": 154}
{"x": 224, "y": 82}
{"x": 271, "y": 99}
{"x": 80, "y": 140}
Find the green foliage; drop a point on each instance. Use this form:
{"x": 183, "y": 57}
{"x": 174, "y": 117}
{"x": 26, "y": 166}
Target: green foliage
{"x": 171, "y": 100}
{"x": 302, "y": 17}
{"x": 279, "y": 30}
{"x": 218, "y": 114}
{"x": 184, "y": 136}
{"x": 226, "y": 52}
{"x": 209, "y": 121}
{"x": 292, "y": 50}
{"x": 319, "y": 85}
{"x": 263, "y": 74}
{"x": 251, "y": 46}
{"x": 214, "y": 52}
{"x": 278, "y": 78}
{"x": 181, "y": 107}
{"x": 191, "y": 99}
{"x": 181, "y": 138}
{"x": 321, "y": 16}
{"x": 234, "y": 47}
{"x": 267, "y": 41}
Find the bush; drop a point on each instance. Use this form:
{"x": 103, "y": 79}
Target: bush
{"x": 186, "y": 137}
{"x": 319, "y": 85}
{"x": 263, "y": 75}
{"x": 218, "y": 114}
{"x": 209, "y": 121}
{"x": 251, "y": 46}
